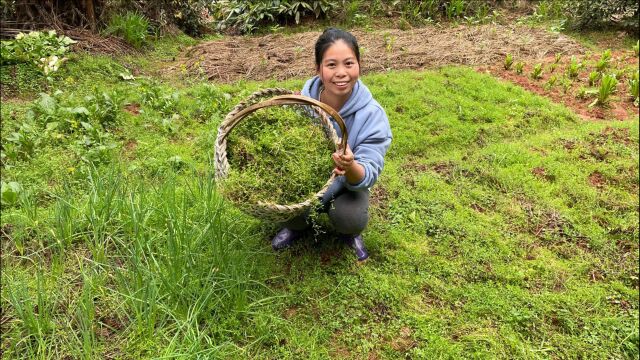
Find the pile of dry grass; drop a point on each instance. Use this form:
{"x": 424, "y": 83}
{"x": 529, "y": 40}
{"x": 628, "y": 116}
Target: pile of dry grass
{"x": 291, "y": 56}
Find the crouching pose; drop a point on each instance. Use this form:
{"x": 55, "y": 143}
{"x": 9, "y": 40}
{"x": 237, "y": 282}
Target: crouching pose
{"x": 336, "y": 84}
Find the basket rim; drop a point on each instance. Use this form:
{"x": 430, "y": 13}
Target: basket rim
{"x": 279, "y": 96}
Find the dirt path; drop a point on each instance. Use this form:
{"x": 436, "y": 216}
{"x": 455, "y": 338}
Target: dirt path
{"x": 283, "y": 57}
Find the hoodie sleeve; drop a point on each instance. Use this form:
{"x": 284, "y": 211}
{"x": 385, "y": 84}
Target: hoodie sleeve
{"x": 370, "y": 146}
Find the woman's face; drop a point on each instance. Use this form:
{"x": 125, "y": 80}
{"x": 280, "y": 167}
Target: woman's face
{"x": 339, "y": 70}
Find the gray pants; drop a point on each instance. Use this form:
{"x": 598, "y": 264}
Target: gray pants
{"x": 348, "y": 210}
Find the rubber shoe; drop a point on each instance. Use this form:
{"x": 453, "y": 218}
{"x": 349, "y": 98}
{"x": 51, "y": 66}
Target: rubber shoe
{"x": 284, "y": 238}
{"x": 357, "y": 244}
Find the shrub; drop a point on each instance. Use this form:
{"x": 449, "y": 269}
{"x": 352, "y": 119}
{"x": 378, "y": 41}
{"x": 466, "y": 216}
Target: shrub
{"x": 602, "y": 13}
{"x": 44, "y": 49}
{"x": 132, "y": 27}
{"x": 247, "y": 16}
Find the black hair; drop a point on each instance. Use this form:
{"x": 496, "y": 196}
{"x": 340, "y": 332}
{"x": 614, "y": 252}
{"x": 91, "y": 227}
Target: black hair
{"x": 329, "y": 37}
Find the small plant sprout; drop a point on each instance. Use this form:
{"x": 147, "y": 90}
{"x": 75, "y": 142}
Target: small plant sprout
{"x": 604, "y": 61}
{"x": 593, "y": 78}
{"x": 536, "y": 73}
{"x": 557, "y": 58}
{"x": 582, "y": 93}
{"x": 566, "y": 84}
{"x": 519, "y": 67}
{"x": 574, "y": 68}
{"x": 508, "y": 61}
{"x": 607, "y": 87}
{"x": 633, "y": 88}
{"x": 551, "y": 82}
{"x": 636, "y": 48}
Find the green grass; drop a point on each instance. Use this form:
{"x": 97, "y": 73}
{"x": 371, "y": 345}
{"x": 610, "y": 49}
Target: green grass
{"x": 503, "y": 226}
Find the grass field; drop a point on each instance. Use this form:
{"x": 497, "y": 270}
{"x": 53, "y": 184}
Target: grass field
{"x": 503, "y": 226}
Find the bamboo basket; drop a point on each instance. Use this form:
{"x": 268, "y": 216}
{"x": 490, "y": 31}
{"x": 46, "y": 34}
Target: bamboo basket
{"x": 277, "y": 97}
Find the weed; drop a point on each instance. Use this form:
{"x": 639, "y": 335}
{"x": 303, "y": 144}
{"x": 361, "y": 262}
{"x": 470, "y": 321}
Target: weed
{"x": 536, "y": 72}
{"x": 508, "y": 61}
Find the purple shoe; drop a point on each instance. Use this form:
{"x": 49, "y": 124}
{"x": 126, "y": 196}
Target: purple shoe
{"x": 284, "y": 238}
{"x": 357, "y": 244}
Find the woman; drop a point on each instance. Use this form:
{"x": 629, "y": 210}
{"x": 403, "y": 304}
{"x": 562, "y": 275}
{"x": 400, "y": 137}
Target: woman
{"x": 337, "y": 84}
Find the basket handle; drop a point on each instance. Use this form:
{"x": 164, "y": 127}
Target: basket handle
{"x": 292, "y": 100}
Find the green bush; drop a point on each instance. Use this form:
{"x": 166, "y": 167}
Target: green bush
{"x": 44, "y": 49}
{"x": 602, "y": 13}
{"x": 132, "y": 27}
{"x": 247, "y": 16}
{"x": 583, "y": 14}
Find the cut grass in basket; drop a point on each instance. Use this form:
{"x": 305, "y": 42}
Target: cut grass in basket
{"x": 277, "y": 155}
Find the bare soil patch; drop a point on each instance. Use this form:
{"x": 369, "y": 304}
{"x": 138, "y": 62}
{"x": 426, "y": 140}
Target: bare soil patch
{"x": 291, "y": 56}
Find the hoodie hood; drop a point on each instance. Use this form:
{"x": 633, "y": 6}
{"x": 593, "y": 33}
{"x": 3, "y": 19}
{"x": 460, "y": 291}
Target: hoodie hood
{"x": 360, "y": 96}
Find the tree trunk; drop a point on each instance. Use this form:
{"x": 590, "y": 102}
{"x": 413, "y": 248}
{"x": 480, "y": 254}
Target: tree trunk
{"x": 91, "y": 16}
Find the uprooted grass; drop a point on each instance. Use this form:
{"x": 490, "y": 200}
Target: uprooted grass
{"x": 503, "y": 226}
{"x": 277, "y": 155}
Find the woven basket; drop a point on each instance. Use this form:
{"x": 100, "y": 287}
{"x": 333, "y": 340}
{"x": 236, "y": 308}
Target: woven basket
{"x": 265, "y": 210}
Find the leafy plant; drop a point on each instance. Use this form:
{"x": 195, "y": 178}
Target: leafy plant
{"x": 247, "y": 16}
{"x": 593, "y": 78}
{"x": 508, "y": 61}
{"x": 604, "y": 61}
{"x": 519, "y": 67}
{"x": 21, "y": 144}
{"x": 582, "y": 93}
{"x": 454, "y": 8}
{"x": 132, "y": 27}
{"x": 44, "y": 49}
{"x": 557, "y": 58}
{"x": 633, "y": 88}
{"x": 574, "y": 68}
{"x": 607, "y": 87}
{"x": 536, "y": 72}
{"x": 10, "y": 192}
{"x": 551, "y": 82}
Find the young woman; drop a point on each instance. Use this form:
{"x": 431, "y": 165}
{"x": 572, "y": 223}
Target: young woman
{"x": 336, "y": 84}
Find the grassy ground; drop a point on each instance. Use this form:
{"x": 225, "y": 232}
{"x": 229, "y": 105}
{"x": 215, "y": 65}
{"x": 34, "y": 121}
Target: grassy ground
{"x": 503, "y": 226}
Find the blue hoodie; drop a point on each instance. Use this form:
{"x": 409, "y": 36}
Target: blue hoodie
{"x": 369, "y": 134}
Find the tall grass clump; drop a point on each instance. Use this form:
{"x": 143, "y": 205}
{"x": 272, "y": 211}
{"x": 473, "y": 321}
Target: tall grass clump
{"x": 132, "y": 27}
